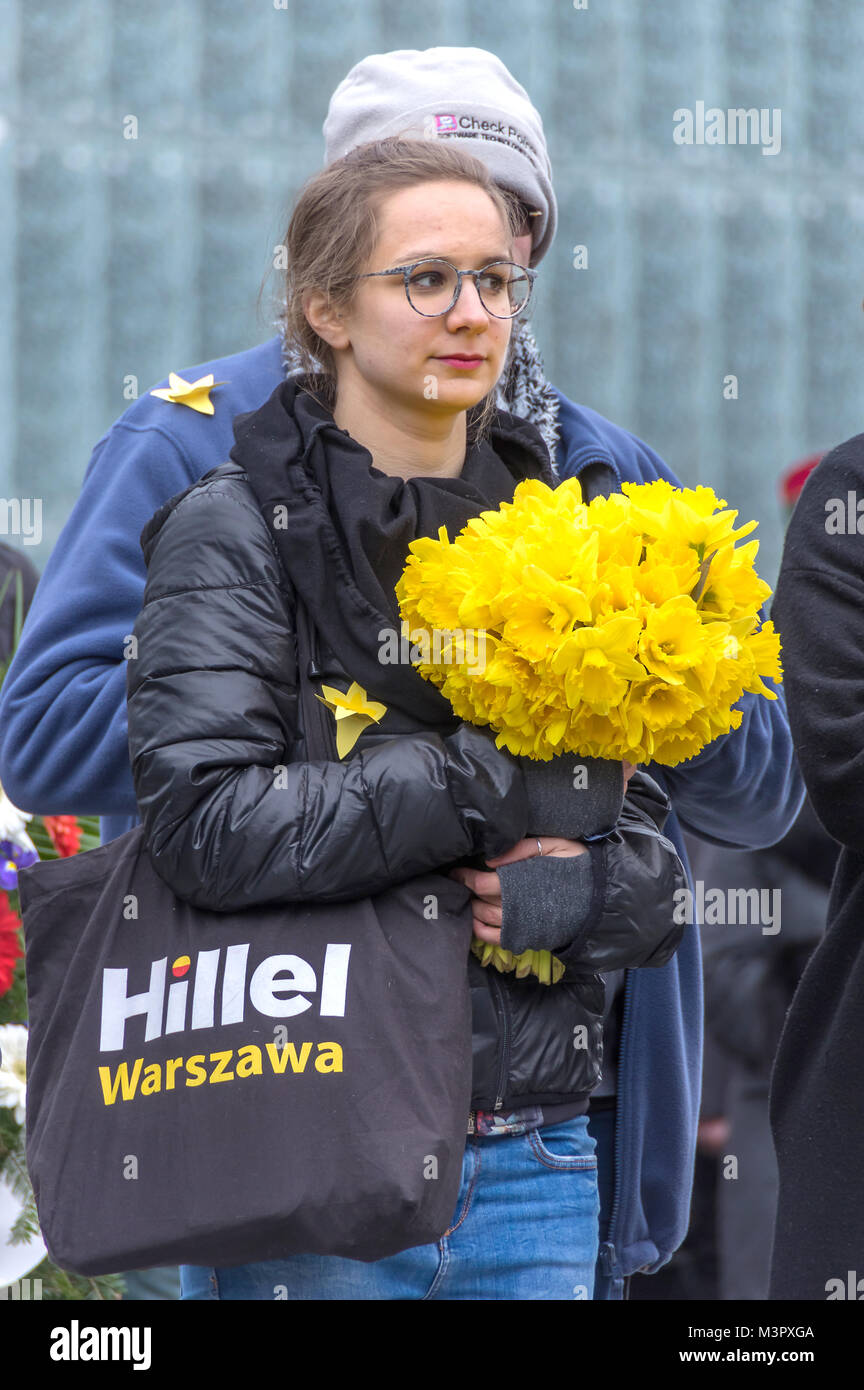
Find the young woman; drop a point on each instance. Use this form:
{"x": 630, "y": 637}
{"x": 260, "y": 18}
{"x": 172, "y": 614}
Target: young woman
{"x": 403, "y": 288}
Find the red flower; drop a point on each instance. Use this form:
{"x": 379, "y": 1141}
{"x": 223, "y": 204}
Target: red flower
{"x": 10, "y": 943}
{"x": 65, "y": 834}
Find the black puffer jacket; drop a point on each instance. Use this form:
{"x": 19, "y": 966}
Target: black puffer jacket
{"x": 236, "y": 815}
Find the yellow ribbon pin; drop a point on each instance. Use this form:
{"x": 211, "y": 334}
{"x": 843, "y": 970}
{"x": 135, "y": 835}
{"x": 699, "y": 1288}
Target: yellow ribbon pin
{"x": 353, "y": 712}
{"x": 195, "y": 394}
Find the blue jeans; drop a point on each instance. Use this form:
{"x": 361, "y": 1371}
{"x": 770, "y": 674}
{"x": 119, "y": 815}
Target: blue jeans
{"x": 525, "y": 1227}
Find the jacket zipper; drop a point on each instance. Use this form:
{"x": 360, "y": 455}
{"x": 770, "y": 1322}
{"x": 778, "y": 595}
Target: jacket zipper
{"x": 501, "y": 1010}
{"x": 608, "y": 1258}
{"x": 653, "y": 834}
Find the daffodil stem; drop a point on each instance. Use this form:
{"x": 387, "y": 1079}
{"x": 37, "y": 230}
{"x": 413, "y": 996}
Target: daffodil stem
{"x": 704, "y": 567}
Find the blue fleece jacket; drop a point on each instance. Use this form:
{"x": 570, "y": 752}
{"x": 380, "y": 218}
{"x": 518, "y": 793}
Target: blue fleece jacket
{"x": 64, "y": 749}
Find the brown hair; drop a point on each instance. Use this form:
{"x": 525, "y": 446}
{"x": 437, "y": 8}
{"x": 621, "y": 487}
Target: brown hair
{"x": 333, "y": 232}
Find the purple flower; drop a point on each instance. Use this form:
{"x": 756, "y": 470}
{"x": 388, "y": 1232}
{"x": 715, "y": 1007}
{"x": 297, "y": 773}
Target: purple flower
{"x": 12, "y": 858}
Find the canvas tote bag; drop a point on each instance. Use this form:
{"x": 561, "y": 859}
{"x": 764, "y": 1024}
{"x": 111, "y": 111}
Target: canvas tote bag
{"x": 223, "y": 1088}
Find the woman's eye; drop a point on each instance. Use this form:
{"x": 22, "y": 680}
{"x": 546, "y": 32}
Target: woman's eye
{"x": 494, "y": 283}
{"x": 428, "y": 280}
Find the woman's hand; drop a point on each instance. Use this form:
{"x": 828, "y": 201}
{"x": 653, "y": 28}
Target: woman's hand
{"x": 486, "y": 887}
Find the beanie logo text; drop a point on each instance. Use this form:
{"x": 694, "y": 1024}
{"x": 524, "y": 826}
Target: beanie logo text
{"x": 475, "y": 128}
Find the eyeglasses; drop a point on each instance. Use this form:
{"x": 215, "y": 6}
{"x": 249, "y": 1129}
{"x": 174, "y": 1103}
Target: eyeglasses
{"x": 432, "y": 287}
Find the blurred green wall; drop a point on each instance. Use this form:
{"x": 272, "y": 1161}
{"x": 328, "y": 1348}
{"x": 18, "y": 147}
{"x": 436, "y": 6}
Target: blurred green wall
{"x": 124, "y": 258}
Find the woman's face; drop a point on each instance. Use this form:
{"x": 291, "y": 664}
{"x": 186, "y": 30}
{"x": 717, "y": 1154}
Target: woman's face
{"x": 393, "y": 353}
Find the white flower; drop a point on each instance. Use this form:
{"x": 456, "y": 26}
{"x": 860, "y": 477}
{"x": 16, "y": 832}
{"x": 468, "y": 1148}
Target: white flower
{"x": 12, "y": 823}
{"x": 13, "y": 1068}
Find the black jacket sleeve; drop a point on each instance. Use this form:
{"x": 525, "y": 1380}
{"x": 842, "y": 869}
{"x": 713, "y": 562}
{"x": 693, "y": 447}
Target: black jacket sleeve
{"x": 752, "y": 968}
{"x": 607, "y": 910}
{"x": 212, "y": 705}
{"x": 818, "y": 610}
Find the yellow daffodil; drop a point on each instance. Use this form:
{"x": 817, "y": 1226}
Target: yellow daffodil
{"x": 625, "y": 628}
{"x": 353, "y": 712}
{"x": 763, "y": 649}
{"x": 662, "y": 510}
{"x": 678, "y": 745}
{"x": 195, "y": 394}
{"x": 598, "y": 661}
{"x": 732, "y": 586}
{"x": 660, "y": 705}
{"x": 543, "y": 612}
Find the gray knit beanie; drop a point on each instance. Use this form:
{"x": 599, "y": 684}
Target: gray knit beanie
{"x": 463, "y": 94}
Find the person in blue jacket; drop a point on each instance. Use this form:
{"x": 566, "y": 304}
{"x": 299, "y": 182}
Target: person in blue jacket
{"x": 63, "y": 731}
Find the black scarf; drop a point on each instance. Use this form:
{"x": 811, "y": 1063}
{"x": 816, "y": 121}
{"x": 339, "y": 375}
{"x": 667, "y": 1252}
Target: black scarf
{"x": 342, "y": 527}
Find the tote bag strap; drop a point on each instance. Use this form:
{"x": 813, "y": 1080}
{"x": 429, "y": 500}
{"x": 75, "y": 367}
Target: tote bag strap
{"x": 318, "y": 724}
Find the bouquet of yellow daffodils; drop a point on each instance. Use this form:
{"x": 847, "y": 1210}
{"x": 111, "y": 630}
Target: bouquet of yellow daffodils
{"x": 624, "y": 628}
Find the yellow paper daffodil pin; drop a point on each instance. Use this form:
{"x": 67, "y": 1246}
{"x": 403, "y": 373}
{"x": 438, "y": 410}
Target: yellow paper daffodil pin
{"x": 353, "y": 711}
{"x": 195, "y": 394}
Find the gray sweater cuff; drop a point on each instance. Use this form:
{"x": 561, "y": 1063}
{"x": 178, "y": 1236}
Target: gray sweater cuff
{"x": 573, "y": 796}
{"x": 544, "y": 901}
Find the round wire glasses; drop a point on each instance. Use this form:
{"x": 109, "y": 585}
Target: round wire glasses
{"x": 433, "y": 286}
